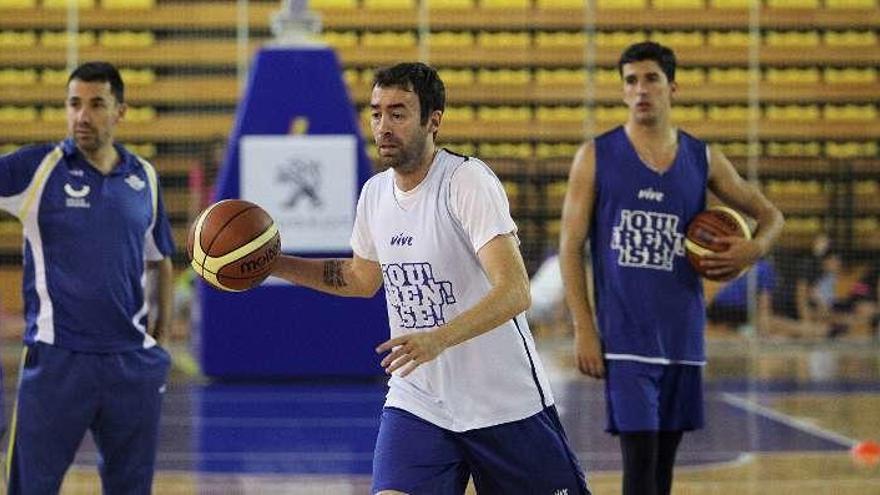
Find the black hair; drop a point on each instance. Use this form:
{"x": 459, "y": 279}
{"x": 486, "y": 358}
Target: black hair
{"x": 100, "y": 72}
{"x": 649, "y": 50}
{"x": 419, "y": 78}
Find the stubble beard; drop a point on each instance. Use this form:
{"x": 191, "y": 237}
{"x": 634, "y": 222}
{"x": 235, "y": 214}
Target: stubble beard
{"x": 408, "y": 159}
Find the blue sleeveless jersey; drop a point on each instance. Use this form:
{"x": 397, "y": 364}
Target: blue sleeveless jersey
{"x": 649, "y": 300}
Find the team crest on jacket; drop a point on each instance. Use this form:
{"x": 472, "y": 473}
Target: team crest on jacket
{"x": 647, "y": 239}
{"x": 418, "y": 299}
{"x": 135, "y": 182}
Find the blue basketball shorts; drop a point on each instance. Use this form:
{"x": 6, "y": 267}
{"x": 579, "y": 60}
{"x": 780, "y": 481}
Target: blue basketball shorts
{"x": 526, "y": 457}
{"x": 653, "y": 397}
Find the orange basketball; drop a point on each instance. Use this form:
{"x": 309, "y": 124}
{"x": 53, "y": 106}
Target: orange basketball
{"x": 233, "y": 245}
{"x": 705, "y": 229}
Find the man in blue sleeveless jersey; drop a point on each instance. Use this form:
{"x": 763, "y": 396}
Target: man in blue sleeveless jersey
{"x": 632, "y": 191}
{"x": 95, "y": 234}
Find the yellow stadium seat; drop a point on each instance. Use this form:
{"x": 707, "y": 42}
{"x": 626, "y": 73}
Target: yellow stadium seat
{"x": 388, "y": 39}
{"x": 128, "y": 4}
{"x": 55, "y": 39}
{"x": 17, "y": 77}
{"x": 144, "y": 150}
{"x": 793, "y": 4}
{"x": 506, "y": 150}
{"x": 560, "y": 4}
{"x": 792, "y": 39}
{"x": 613, "y": 114}
{"x": 126, "y": 39}
{"x": 729, "y": 39}
{"x": 621, "y": 4}
{"x": 867, "y": 39}
{"x": 140, "y": 114}
{"x": 866, "y": 225}
{"x": 677, "y": 4}
{"x": 460, "y": 77}
{"x": 810, "y": 148}
{"x": 138, "y": 77}
{"x": 63, "y": 4}
{"x": 18, "y": 4}
{"x": 850, "y": 112}
{"x": 53, "y": 114}
{"x": 730, "y": 4}
{"x": 728, "y": 113}
{"x": 850, "y": 149}
{"x": 561, "y": 114}
{"x": 731, "y": 75}
{"x": 450, "y": 4}
{"x": 851, "y": 4}
{"x": 739, "y": 148}
{"x": 619, "y": 39}
{"x": 510, "y": 77}
{"x": 390, "y": 4}
{"x": 850, "y": 75}
{"x": 809, "y": 75}
{"x": 607, "y": 76}
{"x": 504, "y": 39}
{"x": 506, "y": 4}
{"x": 352, "y": 77}
{"x": 451, "y": 39}
{"x": 511, "y": 188}
{"x": 556, "y": 150}
{"x": 560, "y": 76}
{"x": 560, "y": 39}
{"x": 340, "y": 39}
{"x": 804, "y": 113}
{"x": 679, "y": 39}
{"x": 11, "y": 114}
{"x": 17, "y": 39}
{"x": 458, "y": 114}
{"x": 690, "y": 113}
{"x": 333, "y": 4}
{"x": 690, "y": 76}
{"x": 54, "y": 77}
{"x": 504, "y": 114}
{"x": 466, "y": 149}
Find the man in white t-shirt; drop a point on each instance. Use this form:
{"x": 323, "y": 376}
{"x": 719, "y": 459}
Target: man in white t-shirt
{"x": 467, "y": 396}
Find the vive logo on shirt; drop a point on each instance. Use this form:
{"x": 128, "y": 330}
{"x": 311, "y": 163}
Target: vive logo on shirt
{"x": 647, "y": 239}
{"x": 401, "y": 239}
{"x": 416, "y": 297}
{"x": 651, "y": 195}
{"x": 76, "y": 198}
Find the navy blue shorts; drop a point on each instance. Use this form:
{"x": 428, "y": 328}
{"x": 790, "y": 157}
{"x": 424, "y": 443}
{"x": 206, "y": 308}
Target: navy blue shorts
{"x": 653, "y": 397}
{"x": 528, "y": 456}
{"x": 62, "y": 394}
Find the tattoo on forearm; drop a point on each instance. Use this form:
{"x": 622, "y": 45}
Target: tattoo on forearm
{"x": 333, "y": 275}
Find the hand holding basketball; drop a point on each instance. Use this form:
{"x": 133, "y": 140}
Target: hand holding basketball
{"x": 233, "y": 245}
{"x": 710, "y": 238}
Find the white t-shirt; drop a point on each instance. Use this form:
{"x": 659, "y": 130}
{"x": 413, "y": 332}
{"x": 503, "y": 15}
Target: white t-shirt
{"x": 426, "y": 241}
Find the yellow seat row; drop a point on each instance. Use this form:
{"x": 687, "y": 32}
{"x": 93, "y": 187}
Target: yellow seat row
{"x": 81, "y": 4}
{"x": 606, "y": 39}
{"x": 56, "y": 39}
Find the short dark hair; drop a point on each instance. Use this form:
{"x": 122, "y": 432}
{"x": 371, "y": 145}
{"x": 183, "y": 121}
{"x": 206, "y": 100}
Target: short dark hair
{"x": 419, "y": 78}
{"x": 649, "y": 50}
{"x": 100, "y": 72}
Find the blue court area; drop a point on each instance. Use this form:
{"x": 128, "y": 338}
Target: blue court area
{"x": 327, "y": 428}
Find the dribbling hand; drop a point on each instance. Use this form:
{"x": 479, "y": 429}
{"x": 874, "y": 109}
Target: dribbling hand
{"x": 408, "y": 352}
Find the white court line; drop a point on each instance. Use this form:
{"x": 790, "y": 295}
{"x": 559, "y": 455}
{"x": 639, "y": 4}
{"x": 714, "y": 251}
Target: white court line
{"x": 790, "y": 421}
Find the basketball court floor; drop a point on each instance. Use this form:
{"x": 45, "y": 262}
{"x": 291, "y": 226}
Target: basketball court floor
{"x": 781, "y": 420}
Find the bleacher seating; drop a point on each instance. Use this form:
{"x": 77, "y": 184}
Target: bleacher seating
{"x": 513, "y": 64}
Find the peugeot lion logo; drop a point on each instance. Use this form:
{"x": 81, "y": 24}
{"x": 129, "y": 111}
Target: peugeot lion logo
{"x": 303, "y": 177}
